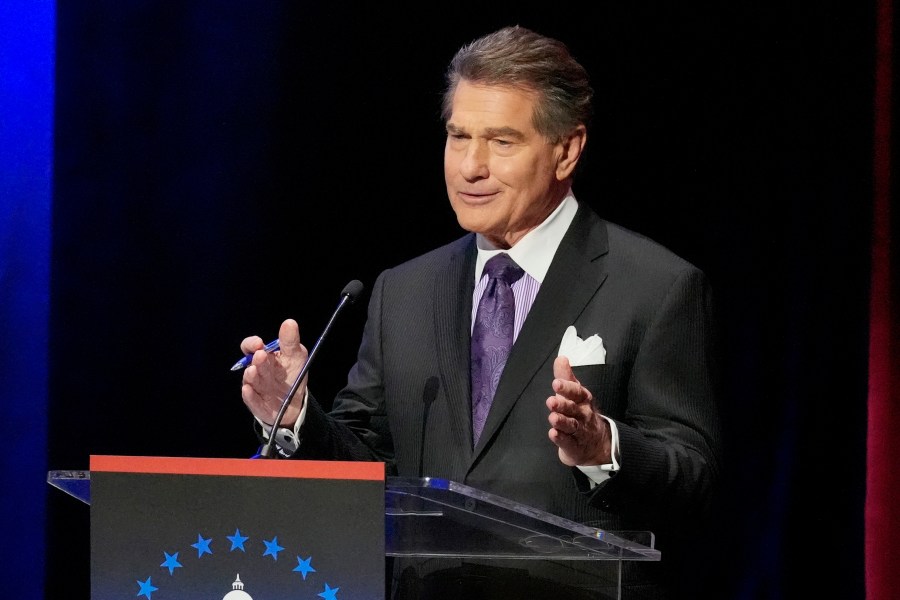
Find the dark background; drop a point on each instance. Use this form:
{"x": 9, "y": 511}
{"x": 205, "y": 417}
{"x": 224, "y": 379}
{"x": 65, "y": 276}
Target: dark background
{"x": 220, "y": 166}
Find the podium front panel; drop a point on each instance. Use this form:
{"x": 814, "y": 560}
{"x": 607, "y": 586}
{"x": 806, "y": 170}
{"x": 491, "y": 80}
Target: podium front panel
{"x": 203, "y": 528}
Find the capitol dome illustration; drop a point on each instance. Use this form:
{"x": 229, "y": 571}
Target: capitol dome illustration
{"x": 237, "y": 591}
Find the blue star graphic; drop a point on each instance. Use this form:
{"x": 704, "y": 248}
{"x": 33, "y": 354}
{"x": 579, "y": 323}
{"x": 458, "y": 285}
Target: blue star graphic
{"x": 237, "y": 540}
{"x": 202, "y": 546}
{"x": 171, "y": 562}
{"x": 272, "y": 548}
{"x": 146, "y": 588}
{"x": 303, "y": 567}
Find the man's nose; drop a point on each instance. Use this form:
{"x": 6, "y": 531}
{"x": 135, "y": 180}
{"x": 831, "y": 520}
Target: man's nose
{"x": 475, "y": 163}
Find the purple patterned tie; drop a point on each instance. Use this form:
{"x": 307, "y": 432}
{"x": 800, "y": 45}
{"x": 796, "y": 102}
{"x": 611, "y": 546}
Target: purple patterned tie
{"x": 492, "y": 335}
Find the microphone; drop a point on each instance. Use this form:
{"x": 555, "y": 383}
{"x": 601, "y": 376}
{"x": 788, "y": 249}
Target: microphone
{"x": 349, "y": 295}
{"x": 428, "y": 396}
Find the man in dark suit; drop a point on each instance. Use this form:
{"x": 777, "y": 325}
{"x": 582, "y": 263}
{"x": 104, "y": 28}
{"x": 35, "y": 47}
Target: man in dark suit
{"x": 628, "y": 437}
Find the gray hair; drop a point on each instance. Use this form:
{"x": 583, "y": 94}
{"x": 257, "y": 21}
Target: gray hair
{"x": 520, "y": 58}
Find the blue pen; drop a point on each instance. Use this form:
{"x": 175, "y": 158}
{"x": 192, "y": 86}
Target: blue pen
{"x": 270, "y": 347}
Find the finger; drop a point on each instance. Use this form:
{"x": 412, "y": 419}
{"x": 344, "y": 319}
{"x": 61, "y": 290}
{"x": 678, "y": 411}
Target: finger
{"x": 251, "y": 344}
{"x": 570, "y": 397}
{"x": 562, "y": 369}
{"x": 565, "y": 383}
{"x": 250, "y": 397}
{"x": 567, "y": 446}
{"x": 250, "y": 389}
{"x": 251, "y": 375}
{"x": 256, "y": 404}
{"x": 563, "y": 423}
{"x": 562, "y": 405}
{"x": 289, "y": 338}
{"x": 562, "y": 373}
{"x": 571, "y": 391}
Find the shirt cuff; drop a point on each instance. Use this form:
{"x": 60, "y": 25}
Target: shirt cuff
{"x": 287, "y": 440}
{"x": 600, "y": 473}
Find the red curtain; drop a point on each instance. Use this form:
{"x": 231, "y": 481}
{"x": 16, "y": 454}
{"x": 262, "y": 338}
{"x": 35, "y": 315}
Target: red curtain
{"x": 883, "y": 480}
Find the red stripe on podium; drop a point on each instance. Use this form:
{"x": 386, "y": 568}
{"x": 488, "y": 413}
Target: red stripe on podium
{"x": 309, "y": 469}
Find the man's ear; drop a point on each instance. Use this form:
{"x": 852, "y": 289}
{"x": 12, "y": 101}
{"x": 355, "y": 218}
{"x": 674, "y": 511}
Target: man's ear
{"x": 571, "y": 148}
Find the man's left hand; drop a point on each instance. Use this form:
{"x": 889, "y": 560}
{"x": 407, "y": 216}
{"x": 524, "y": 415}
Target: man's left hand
{"x": 576, "y": 427}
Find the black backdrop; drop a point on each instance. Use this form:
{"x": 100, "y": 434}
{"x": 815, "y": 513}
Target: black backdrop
{"x": 220, "y": 166}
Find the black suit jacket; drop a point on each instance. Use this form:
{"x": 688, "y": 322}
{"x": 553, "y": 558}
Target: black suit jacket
{"x": 653, "y": 312}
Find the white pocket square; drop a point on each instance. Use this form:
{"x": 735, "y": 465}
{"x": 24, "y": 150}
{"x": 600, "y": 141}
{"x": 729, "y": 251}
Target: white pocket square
{"x": 582, "y": 352}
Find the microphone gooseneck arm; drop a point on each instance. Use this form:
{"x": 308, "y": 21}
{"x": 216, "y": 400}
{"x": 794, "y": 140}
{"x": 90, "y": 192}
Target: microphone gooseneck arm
{"x": 348, "y": 296}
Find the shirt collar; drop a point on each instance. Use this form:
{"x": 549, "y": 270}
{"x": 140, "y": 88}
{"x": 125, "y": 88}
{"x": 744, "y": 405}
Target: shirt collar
{"x": 535, "y": 251}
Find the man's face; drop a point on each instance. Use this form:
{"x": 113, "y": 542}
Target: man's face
{"x": 502, "y": 176}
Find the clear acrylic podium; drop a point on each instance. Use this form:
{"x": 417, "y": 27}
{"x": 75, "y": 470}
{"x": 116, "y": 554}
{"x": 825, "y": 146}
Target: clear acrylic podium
{"x": 432, "y": 521}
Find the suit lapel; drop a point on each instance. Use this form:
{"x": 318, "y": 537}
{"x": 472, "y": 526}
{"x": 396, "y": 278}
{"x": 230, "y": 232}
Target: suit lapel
{"x": 575, "y": 275}
{"x": 452, "y": 299}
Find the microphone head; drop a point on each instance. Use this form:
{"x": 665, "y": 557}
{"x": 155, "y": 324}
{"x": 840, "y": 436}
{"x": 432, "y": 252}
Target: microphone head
{"x": 352, "y": 290}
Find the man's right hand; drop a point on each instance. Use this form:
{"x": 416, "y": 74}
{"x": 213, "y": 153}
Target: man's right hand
{"x": 268, "y": 379}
